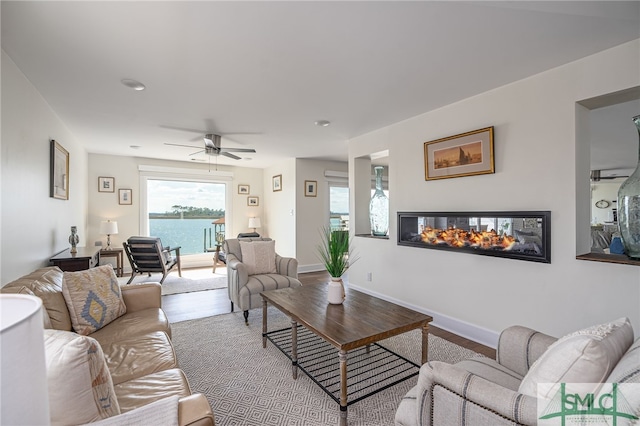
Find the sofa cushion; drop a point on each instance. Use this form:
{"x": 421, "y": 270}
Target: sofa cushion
{"x": 93, "y": 297}
{"x": 585, "y": 356}
{"x": 137, "y": 356}
{"x": 133, "y": 324}
{"x": 150, "y": 388}
{"x": 162, "y": 412}
{"x": 259, "y": 256}
{"x": 80, "y": 386}
{"x": 46, "y": 283}
{"x": 46, "y": 321}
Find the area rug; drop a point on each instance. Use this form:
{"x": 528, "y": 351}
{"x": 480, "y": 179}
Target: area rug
{"x": 248, "y": 385}
{"x": 174, "y": 284}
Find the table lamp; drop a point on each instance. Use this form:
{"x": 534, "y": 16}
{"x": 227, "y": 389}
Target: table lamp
{"x": 25, "y": 395}
{"x": 254, "y": 222}
{"x": 110, "y": 228}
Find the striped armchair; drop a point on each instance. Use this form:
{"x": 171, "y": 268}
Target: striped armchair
{"x": 244, "y": 289}
{"x": 482, "y": 391}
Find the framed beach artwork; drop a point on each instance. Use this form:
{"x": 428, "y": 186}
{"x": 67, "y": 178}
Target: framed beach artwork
{"x": 277, "y": 183}
{"x": 106, "y": 184}
{"x": 310, "y": 188}
{"x": 465, "y": 154}
{"x": 253, "y": 201}
{"x": 59, "y": 182}
{"x": 125, "y": 196}
{"x": 243, "y": 189}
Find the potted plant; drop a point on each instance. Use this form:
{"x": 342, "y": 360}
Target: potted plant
{"x": 336, "y": 254}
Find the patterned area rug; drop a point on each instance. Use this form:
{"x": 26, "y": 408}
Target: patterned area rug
{"x": 189, "y": 282}
{"x": 249, "y": 385}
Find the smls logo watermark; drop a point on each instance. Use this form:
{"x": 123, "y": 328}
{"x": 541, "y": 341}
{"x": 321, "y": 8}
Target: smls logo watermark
{"x": 608, "y": 404}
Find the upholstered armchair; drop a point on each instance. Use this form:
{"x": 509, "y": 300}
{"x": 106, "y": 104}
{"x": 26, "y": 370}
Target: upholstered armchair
{"x": 504, "y": 391}
{"x": 253, "y": 266}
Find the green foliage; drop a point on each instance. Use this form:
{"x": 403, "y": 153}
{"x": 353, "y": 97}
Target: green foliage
{"x": 190, "y": 211}
{"x": 335, "y": 251}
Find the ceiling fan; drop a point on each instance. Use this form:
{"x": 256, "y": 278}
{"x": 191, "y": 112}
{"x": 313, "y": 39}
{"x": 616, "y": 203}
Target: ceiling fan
{"x": 213, "y": 146}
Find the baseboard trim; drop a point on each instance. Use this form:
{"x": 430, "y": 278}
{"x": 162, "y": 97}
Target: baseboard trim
{"x": 311, "y": 268}
{"x": 454, "y": 325}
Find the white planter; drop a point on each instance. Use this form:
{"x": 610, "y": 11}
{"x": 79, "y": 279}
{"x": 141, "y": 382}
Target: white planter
{"x": 335, "y": 294}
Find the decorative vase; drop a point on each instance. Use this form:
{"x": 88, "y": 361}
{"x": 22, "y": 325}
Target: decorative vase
{"x": 74, "y": 239}
{"x": 379, "y": 207}
{"x": 629, "y": 208}
{"x": 336, "y": 293}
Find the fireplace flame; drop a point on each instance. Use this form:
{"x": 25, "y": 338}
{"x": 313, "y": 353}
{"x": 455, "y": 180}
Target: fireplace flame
{"x": 455, "y": 237}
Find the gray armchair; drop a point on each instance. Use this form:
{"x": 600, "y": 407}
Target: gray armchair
{"x": 244, "y": 289}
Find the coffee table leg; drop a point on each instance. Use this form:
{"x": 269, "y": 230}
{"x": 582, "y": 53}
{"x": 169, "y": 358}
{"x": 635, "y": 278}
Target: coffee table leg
{"x": 264, "y": 323}
{"x": 294, "y": 348}
{"x": 343, "y": 388}
{"x": 425, "y": 342}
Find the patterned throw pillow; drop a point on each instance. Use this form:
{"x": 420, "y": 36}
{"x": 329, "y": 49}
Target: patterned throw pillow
{"x": 80, "y": 386}
{"x": 93, "y": 297}
{"x": 585, "y": 356}
{"x": 259, "y": 256}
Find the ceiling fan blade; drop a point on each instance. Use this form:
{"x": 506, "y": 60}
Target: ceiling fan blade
{"x": 179, "y": 144}
{"x": 226, "y": 154}
{"x": 182, "y": 129}
{"x": 237, "y": 150}
{"x": 197, "y": 152}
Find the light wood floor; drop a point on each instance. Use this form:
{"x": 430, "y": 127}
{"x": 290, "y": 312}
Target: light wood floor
{"x": 186, "y": 306}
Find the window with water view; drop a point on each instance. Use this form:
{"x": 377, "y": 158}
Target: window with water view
{"x": 186, "y": 214}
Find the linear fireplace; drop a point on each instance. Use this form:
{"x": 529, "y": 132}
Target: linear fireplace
{"x": 514, "y": 235}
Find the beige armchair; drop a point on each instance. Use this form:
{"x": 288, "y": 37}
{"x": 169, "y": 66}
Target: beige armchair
{"x": 503, "y": 391}
{"x": 246, "y": 282}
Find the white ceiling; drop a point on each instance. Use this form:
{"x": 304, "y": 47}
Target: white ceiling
{"x": 271, "y": 69}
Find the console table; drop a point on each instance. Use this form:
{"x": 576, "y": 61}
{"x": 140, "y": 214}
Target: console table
{"x": 85, "y": 258}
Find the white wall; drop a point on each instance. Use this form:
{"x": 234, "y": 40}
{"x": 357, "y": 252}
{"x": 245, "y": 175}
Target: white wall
{"x": 535, "y": 152}
{"x": 312, "y": 212}
{"x": 35, "y": 226}
{"x": 279, "y": 220}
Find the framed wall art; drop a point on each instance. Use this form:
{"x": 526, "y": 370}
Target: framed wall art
{"x": 125, "y": 196}
{"x": 465, "y": 154}
{"x": 310, "y": 188}
{"x": 253, "y": 201}
{"x": 106, "y": 184}
{"x": 277, "y": 183}
{"x": 243, "y": 189}
{"x": 59, "y": 185}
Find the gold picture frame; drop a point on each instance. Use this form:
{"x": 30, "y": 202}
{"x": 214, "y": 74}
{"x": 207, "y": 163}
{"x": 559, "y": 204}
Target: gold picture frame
{"x": 244, "y": 189}
{"x": 253, "y": 201}
{"x": 310, "y": 188}
{"x": 125, "y": 197}
{"x": 466, "y": 154}
{"x": 59, "y": 185}
{"x": 106, "y": 184}
{"x": 277, "y": 183}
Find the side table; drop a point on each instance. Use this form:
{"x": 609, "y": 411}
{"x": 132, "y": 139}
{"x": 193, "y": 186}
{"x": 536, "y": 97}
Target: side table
{"x": 85, "y": 258}
{"x": 216, "y": 258}
{"x": 118, "y": 254}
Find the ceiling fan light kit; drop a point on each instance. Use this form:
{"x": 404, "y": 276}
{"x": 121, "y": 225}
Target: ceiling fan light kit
{"x": 133, "y": 84}
{"x": 213, "y": 146}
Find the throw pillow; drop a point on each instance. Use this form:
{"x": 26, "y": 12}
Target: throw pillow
{"x": 585, "y": 356}
{"x": 259, "y": 256}
{"x": 93, "y": 297}
{"x": 80, "y": 386}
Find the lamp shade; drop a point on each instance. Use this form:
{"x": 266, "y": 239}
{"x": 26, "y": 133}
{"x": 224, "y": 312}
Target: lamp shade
{"x": 254, "y": 222}
{"x": 25, "y": 397}
{"x": 108, "y": 227}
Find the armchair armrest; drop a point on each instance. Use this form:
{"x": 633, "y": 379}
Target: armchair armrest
{"x": 194, "y": 410}
{"x": 440, "y": 384}
{"x": 142, "y": 296}
{"x": 519, "y": 347}
{"x": 287, "y": 266}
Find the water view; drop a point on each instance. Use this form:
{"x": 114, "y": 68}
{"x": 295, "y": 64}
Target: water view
{"x": 186, "y": 233}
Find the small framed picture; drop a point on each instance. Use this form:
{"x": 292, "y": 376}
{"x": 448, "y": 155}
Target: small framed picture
{"x": 310, "y": 188}
{"x": 106, "y": 184}
{"x": 243, "y": 189}
{"x": 59, "y": 185}
{"x": 277, "y": 183}
{"x": 124, "y": 196}
{"x": 253, "y": 201}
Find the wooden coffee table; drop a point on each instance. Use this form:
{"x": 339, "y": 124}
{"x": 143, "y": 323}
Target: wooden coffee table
{"x": 352, "y": 327}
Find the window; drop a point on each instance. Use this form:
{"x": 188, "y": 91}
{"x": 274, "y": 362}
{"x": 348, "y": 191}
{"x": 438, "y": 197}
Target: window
{"x": 339, "y": 206}
{"x": 182, "y": 213}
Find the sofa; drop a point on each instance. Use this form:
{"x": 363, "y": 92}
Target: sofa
{"x": 522, "y": 383}
{"x": 113, "y": 370}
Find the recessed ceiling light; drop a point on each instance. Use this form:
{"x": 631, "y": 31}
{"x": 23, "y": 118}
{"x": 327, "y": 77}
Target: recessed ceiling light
{"x": 323, "y": 123}
{"x": 132, "y": 84}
